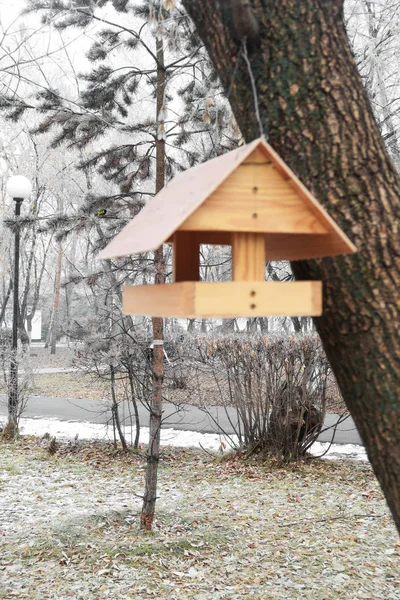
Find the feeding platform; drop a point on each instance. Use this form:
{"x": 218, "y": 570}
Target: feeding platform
{"x": 248, "y": 199}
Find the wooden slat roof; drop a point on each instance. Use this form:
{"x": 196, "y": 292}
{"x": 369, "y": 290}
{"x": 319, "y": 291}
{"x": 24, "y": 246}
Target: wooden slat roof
{"x": 166, "y": 212}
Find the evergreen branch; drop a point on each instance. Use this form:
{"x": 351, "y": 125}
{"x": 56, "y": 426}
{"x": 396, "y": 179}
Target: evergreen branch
{"x": 126, "y": 29}
{"x": 74, "y": 103}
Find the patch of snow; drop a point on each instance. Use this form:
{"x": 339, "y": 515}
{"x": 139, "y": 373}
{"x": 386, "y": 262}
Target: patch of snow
{"x": 339, "y": 451}
{"x": 67, "y": 430}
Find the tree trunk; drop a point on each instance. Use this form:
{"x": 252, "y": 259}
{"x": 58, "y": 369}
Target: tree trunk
{"x": 28, "y": 273}
{"x": 251, "y": 325}
{"x": 317, "y": 116}
{"x": 228, "y": 326}
{"x": 55, "y": 319}
{"x": 191, "y": 325}
{"x": 135, "y": 407}
{"x": 5, "y": 302}
{"x": 153, "y": 452}
{"x": 114, "y": 409}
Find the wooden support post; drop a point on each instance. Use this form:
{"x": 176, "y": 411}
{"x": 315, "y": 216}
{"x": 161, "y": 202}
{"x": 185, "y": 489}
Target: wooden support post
{"x": 186, "y": 257}
{"x": 248, "y": 257}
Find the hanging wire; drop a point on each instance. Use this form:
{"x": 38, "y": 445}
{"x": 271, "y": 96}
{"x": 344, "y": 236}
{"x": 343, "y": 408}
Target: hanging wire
{"x": 234, "y": 74}
{"x": 243, "y": 51}
{"x": 253, "y": 86}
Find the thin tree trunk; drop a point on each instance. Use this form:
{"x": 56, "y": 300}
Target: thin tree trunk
{"x": 29, "y": 319}
{"x": 55, "y": 315}
{"x": 27, "y": 284}
{"x": 71, "y": 270}
{"x": 153, "y": 452}
{"x": 49, "y": 329}
{"x": 135, "y": 407}
{"x": 251, "y": 324}
{"x": 317, "y": 116}
{"x": 228, "y": 325}
{"x": 191, "y": 325}
{"x": 36, "y": 294}
{"x": 5, "y": 301}
{"x": 296, "y": 324}
{"x": 304, "y": 324}
{"x": 115, "y": 413}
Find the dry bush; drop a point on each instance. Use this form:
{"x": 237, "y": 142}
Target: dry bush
{"x": 276, "y": 383}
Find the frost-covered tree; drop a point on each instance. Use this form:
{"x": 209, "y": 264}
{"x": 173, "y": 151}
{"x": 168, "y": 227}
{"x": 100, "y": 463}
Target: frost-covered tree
{"x": 373, "y": 27}
{"x": 149, "y": 106}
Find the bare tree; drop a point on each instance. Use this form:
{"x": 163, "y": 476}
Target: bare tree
{"x": 153, "y": 452}
{"x": 373, "y": 33}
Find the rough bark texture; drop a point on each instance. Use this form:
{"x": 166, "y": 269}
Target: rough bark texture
{"x": 153, "y": 452}
{"x": 317, "y": 116}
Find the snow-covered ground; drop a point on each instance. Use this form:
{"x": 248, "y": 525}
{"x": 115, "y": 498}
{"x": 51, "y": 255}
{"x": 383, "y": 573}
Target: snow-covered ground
{"x": 68, "y": 430}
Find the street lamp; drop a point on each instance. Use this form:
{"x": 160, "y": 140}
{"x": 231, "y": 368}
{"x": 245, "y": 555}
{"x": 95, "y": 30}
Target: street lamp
{"x": 19, "y": 188}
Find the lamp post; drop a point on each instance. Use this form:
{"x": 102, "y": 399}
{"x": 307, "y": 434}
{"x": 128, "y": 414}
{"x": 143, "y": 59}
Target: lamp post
{"x": 19, "y": 188}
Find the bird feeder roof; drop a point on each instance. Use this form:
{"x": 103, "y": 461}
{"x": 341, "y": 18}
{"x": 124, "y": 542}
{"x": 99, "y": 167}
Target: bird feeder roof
{"x": 179, "y": 200}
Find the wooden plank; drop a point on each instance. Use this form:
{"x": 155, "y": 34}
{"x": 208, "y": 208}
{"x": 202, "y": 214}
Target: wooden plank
{"x": 281, "y": 246}
{"x": 261, "y": 299}
{"x": 248, "y": 256}
{"x": 255, "y": 198}
{"x": 225, "y": 300}
{"x": 163, "y": 300}
{"x": 285, "y": 246}
{"x": 214, "y": 238}
{"x": 186, "y": 257}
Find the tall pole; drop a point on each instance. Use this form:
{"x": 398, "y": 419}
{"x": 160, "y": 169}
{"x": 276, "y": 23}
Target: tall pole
{"x": 18, "y": 187}
{"x": 13, "y": 397}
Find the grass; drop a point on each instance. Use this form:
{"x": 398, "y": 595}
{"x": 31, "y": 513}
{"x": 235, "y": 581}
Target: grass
{"x": 12, "y": 470}
{"x": 71, "y": 385}
{"x": 223, "y": 530}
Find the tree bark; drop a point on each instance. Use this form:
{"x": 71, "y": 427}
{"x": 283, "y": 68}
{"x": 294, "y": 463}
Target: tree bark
{"x": 153, "y": 452}
{"x": 317, "y": 117}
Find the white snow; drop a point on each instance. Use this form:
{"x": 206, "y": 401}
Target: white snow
{"x": 67, "y": 430}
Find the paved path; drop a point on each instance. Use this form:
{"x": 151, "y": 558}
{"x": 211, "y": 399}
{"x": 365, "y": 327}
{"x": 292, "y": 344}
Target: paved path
{"x": 183, "y": 417}
{"x": 51, "y": 370}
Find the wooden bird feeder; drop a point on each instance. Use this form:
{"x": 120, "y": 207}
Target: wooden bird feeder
{"x": 251, "y": 200}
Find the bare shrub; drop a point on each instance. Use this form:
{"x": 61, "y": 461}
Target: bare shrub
{"x": 276, "y": 383}
{"x": 122, "y": 360}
